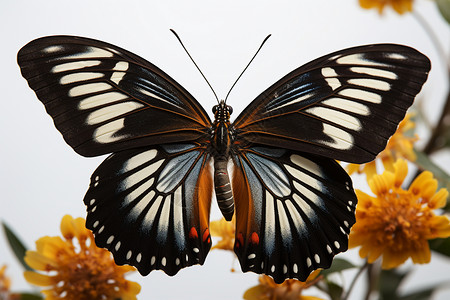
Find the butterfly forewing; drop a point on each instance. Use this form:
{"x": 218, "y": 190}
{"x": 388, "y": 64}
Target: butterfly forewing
{"x": 150, "y": 206}
{"x": 294, "y": 211}
{"x": 104, "y": 99}
{"x": 344, "y": 105}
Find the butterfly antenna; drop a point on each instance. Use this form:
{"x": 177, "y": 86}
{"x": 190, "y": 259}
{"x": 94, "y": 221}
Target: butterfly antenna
{"x": 257, "y": 51}
{"x": 182, "y": 45}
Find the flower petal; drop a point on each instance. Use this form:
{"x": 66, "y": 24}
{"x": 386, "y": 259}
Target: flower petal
{"x": 40, "y": 262}
{"x": 39, "y": 279}
{"x": 439, "y": 199}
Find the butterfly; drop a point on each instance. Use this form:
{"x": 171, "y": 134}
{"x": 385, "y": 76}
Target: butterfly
{"x": 149, "y": 202}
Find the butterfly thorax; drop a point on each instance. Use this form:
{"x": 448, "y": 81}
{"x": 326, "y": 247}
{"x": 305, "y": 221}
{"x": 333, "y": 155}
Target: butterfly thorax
{"x": 221, "y": 141}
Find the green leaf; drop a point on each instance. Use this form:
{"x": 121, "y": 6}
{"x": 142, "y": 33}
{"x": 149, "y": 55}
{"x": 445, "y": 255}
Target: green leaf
{"x": 338, "y": 265}
{"x": 28, "y": 296}
{"x": 424, "y": 162}
{"x": 16, "y": 245}
{"x": 441, "y": 246}
{"x": 444, "y": 8}
{"x": 334, "y": 291}
{"x": 389, "y": 283}
{"x": 424, "y": 294}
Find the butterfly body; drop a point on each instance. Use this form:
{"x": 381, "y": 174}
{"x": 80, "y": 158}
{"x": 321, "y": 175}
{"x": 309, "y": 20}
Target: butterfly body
{"x": 149, "y": 201}
{"x": 222, "y": 141}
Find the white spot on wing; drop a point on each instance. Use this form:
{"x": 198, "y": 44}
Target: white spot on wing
{"x": 138, "y": 160}
{"x": 270, "y": 223}
{"x": 81, "y": 76}
{"x": 299, "y": 224}
{"x": 374, "y": 72}
{"x": 89, "y": 88}
{"x": 304, "y": 177}
{"x": 396, "y": 56}
{"x": 337, "y": 245}
{"x": 163, "y": 224}
{"x": 358, "y": 59}
{"x": 317, "y": 258}
{"x": 101, "y": 99}
{"x": 106, "y": 133}
{"x": 371, "y": 83}
{"x": 330, "y": 76}
{"x": 361, "y": 95}
{"x": 142, "y": 204}
{"x": 116, "y": 77}
{"x": 151, "y": 213}
{"x": 305, "y": 207}
{"x": 140, "y": 175}
{"x": 76, "y": 65}
{"x": 53, "y": 49}
{"x": 348, "y": 105}
{"x": 92, "y": 52}
{"x": 285, "y": 229}
{"x": 110, "y": 239}
{"x": 337, "y": 117}
{"x": 111, "y": 112}
{"x": 341, "y": 139}
{"x": 178, "y": 217}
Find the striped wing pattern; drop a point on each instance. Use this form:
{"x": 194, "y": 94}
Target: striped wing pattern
{"x": 344, "y": 105}
{"x": 149, "y": 201}
{"x": 105, "y": 99}
{"x": 294, "y": 211}
{"x": 150, "y": 206}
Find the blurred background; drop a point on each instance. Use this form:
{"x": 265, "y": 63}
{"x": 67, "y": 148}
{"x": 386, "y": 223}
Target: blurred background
{"x": 42, "y": 178}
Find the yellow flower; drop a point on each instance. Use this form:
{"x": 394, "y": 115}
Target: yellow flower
{"x": 397, "y": 223}
{"x": 77, "y": 270}
{"x": 225, "y": 230}
{"x": 400, "y": 145}
{"x": 5, "y": 285}
{"x": 400, "y": 6}
{"x": 290, "y": 289}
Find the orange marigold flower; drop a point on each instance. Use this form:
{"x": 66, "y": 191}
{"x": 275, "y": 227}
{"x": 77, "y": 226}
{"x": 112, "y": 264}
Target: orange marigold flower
{"x": 400, "y": 145}
{"x": 290, "y": 289}
{"x": 397, "y": 224}
{"x": 224, "y": 229}
{"x": 5, "y": 285}
{"x": 400, "y": 6}
{"x": 78, "y": 270}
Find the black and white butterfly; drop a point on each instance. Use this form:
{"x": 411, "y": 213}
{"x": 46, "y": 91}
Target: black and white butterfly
{"x": 149, "y": 201}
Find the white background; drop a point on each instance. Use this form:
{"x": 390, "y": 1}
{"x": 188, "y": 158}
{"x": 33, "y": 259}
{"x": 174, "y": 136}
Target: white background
{"x": 41, "y": 178}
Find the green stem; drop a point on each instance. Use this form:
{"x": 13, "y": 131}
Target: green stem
{"x": 352, "y": 284}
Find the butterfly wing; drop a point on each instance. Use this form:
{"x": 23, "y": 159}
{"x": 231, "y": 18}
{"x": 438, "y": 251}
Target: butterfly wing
{"x": 344, "y": 105}
{"x": 104, "y": 99}
{"x": 150, "y": 206}
{"x": 294, "y": 211}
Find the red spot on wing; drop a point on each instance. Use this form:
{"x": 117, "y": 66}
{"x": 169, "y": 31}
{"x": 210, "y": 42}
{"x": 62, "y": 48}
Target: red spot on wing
{"x": 205, "y": 234}
{"x": 254, "y": 238}
{"x": 193, "y": 233}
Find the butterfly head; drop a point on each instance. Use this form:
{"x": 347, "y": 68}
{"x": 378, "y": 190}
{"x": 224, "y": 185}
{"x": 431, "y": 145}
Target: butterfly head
{"x": 222, "y": 111}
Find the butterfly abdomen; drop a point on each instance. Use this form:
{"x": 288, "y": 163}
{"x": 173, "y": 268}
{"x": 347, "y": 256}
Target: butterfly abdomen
{"x": 222, "y": 187}
{"x": 221, "y": 141}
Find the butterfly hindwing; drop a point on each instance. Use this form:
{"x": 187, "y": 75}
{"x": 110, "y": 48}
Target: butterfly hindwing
{"x": 150, "y": 206}
{"x": 104, "y": 99}
{"x": 294, "y": 211}
{"x": 344, "y": 105}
